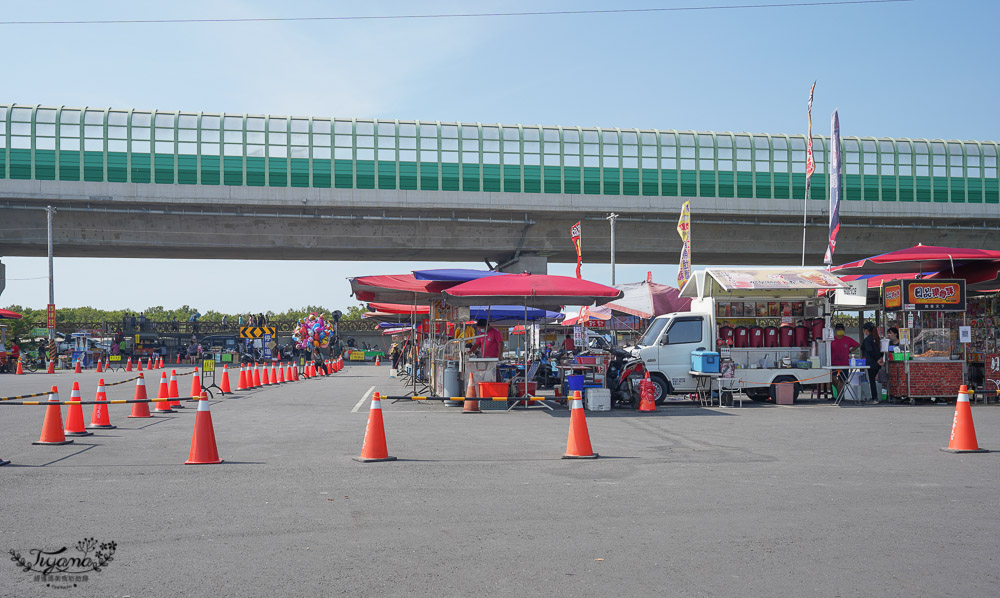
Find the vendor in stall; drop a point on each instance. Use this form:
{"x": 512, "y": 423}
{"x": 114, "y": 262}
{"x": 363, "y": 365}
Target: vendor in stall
{"x": 491, "y": 345}
{"x": 840, "y": 355}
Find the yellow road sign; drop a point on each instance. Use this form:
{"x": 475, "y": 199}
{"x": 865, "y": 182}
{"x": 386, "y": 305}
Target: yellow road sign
{"x": 256, "y": 331}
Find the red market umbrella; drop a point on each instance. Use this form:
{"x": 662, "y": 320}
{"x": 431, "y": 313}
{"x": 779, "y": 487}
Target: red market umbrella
{"x": 397, "y": 288}
{"x": 399, "y": 308}
{"x": 531, "y": 290}
{"x": 922, "y": 258}
{"x": 589, "y": 315}
{"x": 649, "y": 299}
{"x": 6, "y": 314}
{"x": 978, "y": 276}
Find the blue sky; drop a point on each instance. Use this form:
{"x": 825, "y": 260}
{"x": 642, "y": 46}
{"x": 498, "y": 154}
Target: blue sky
{"x": 915, "y": 69}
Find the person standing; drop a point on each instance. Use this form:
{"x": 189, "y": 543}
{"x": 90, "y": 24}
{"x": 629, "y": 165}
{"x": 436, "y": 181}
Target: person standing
{"x": 568, "y": 345}
{"x": 871, "y": 350}
{"x": 840, "y": 355}
{"x": 491, "y": 345}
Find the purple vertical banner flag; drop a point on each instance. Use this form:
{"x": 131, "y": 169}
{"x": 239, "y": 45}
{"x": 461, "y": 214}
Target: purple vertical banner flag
{"x": 835, "y": 189}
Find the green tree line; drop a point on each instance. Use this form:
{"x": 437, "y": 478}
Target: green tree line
{"x": 32, "y": 317}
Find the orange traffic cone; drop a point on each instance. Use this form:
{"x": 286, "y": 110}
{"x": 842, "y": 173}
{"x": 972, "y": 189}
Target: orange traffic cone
{"x": 100, "y": 368}
{"x": 374, "y": 448}
{"x": 241, "y": 384}
{"x": 74, "y": 415}
{"x": 256, "y": 376}
{"x": 20, "y": 370}
{"x": 469, "y": 405}
{"x": 963, "y": 432}
{"x": 578, "y": 444}
{"x": 149, "y": 363}
{"x": 128, "y": 365}
{"x": 295, "y": 373}
{"x": 77, "y": 369}
{"x": 178, "y": 359}
{"x": 224, "y": 388}
{"x": 196, "y": 390}
{"x": 378, "y": 360}
{"x": 99, "y": 418}
{"x": 138, "y": 364}
{"x": 174, "y": 392}
{"x": 140, "y": 409}
{"x": 52, "y": 429}
{"x": 52, "y": 367}
{"x": 274, "y": 375}
{"x": 647, "y": 394}
{"x": 164, "y": 393}
{"x": 203, "y": 449}
{"x": 281, "y": 374}
{"x": 264, "y": 378}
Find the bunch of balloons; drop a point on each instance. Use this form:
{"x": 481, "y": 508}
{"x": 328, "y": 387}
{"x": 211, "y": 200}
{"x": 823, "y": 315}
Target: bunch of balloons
{"x": 312, "y": 331}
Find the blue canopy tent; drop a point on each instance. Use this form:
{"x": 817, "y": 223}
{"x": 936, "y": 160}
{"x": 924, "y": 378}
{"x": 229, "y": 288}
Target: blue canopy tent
{"x": 454, "y": 274}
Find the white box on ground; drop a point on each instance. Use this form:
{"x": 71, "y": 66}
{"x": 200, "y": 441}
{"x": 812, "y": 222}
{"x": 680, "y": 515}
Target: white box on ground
{"x": 597, "y": 399}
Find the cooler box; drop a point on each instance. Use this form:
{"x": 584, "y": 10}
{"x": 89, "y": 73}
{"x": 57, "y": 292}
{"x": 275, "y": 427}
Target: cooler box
{"x": 705, "y": 361}
{"x": 597, "y": 399}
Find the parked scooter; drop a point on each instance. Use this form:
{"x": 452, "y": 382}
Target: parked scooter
{"x": 624, "y": 373}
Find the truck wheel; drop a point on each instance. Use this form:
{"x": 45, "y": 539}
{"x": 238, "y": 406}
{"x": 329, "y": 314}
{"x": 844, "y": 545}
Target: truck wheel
{"x": 772, "y": 389}
{"x": 661, "y": 388}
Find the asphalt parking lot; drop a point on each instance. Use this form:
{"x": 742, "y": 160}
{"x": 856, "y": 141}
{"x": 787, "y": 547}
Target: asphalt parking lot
{"x": 810, "y": 500}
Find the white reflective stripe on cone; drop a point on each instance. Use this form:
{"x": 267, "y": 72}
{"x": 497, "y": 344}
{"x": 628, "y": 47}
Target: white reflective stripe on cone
{"x": 576, "y": 404}
{"x": 963, "y": 398}
{"x": 203, "y": 405}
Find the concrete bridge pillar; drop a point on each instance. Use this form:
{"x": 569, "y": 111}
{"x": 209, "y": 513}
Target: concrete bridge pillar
{"x": 535, "y": 264}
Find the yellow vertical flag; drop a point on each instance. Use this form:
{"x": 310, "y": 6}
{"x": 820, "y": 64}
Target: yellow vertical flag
{"x": 684, "y": 230}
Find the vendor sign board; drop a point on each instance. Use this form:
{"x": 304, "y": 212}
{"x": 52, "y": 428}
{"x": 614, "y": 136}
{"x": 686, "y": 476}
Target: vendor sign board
{"x": 934, "y": 295}
{"x": 356, "y": 356}
{"x": 776, "y": 278}
{"x": 855, "y": 295}
{"x": 892, "y": 297}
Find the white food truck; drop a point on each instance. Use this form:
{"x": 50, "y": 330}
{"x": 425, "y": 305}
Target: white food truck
{"x": 769, "y": 325}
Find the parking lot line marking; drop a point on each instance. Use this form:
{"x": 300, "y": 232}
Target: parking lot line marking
{"x": 364, "y": 398}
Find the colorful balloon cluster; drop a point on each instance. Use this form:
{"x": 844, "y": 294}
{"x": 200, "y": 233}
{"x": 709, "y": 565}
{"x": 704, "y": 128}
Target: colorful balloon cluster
{"x": 313, "y": 331}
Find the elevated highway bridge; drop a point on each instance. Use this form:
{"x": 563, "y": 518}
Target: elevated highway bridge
{"x": 149, "y": 183}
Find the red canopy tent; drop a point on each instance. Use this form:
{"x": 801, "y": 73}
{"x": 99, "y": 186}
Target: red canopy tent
{"x": 922, "y": 258}
{"x": 6, "y": 314}
{"x": 531, "y": 290}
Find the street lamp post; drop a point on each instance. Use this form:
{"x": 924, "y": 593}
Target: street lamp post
{"x": 611, "y": 217}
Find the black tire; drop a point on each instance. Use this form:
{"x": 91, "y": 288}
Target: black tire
{"x": 726, "y": 399}
{"x": 772, "y": 389}
{"x": 661, "y": 388}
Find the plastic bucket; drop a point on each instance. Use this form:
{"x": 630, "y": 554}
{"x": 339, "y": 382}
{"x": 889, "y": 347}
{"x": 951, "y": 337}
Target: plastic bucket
{"x": 532, "y": 388}
{"x": 575, "y": 382}
{"x": 489, "y": 390}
